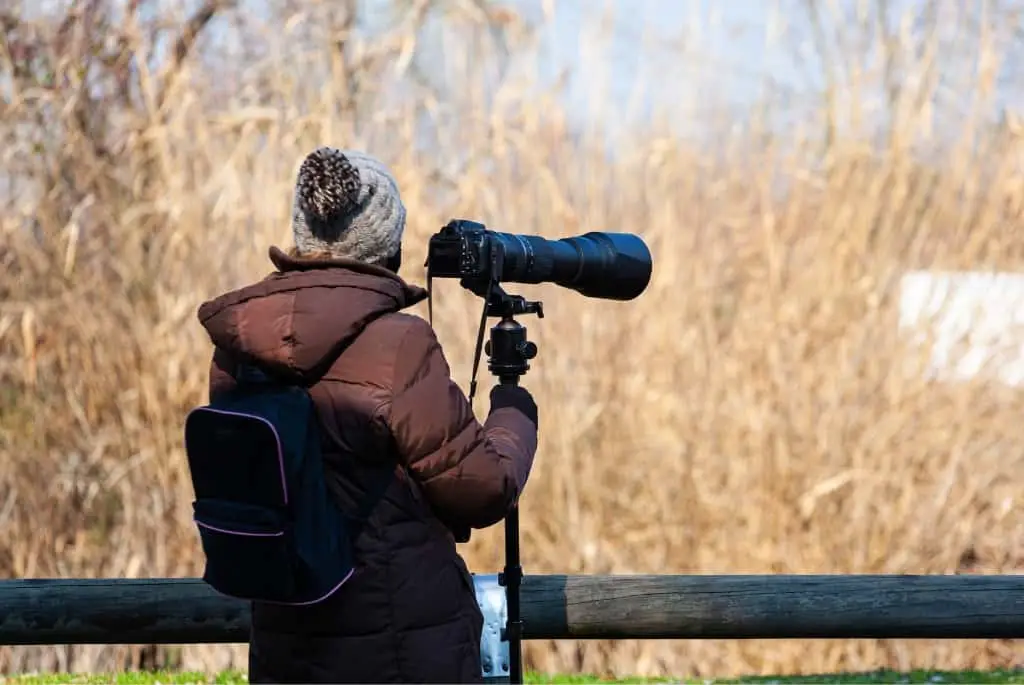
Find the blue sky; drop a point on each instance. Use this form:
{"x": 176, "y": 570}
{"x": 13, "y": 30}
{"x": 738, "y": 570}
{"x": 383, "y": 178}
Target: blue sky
{"x": 717, "y": 57}
{"x": 702, "y": 61}
{"x": 722, "y": 54}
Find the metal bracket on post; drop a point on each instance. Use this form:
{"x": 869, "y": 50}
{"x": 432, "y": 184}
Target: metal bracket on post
{"x": 494, "y": 652}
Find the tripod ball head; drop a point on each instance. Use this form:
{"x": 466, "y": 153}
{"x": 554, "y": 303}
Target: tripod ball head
{"x": 527, "y": 349}
{"x": 508, "y": 350}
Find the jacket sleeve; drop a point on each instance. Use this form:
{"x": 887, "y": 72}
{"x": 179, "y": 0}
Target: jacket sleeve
{"x": 471, "y": 474}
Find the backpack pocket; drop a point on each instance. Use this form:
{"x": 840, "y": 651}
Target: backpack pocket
{"x": 248, "y": 549}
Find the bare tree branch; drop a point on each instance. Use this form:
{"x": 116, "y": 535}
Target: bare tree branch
{"x": 186, "y": 40}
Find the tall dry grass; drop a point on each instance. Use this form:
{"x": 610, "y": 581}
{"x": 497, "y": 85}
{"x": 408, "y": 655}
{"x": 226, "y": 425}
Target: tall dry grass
{"x": 750, "y": 413}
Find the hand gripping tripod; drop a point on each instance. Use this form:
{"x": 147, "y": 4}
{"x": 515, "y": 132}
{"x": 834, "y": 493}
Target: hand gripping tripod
{"x": 508, "y": 353}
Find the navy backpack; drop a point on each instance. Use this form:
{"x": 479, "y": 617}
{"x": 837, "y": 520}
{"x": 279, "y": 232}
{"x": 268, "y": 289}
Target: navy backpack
{"x": 270, "y": 530}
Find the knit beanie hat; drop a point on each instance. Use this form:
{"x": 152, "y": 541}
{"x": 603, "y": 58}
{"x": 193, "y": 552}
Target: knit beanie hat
{"x": 347, "y": 204}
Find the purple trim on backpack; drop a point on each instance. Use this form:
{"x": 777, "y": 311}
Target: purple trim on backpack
{"x": 277, "y": 440}
{"x": 300, "y": 604}
{"x": 329, "y": 592}
{"x": 247, "y": 534}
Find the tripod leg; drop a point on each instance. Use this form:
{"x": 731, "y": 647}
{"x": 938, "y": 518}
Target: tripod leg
{"x": 508, "y": 353}
{"x": 511, "y": 578}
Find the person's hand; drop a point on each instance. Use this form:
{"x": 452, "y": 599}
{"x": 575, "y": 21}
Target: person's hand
{"x": 515, "y": 397}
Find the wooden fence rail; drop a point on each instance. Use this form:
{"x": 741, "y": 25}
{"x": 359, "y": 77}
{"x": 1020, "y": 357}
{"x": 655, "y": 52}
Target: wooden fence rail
{"x": 187, "y": 611}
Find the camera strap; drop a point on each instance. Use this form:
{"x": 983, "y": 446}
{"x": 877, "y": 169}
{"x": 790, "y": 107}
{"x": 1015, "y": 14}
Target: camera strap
{"x": 430, "y": 293}
{"x": 479, "y": 334}
{"x": 477, "y": 351}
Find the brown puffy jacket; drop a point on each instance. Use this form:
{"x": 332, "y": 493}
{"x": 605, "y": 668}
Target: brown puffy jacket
{"x": 388, "y": 408}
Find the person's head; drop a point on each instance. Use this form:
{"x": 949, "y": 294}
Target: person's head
{"x": 347, "y": 205}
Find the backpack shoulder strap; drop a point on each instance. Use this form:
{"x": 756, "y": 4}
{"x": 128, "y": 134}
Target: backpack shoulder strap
{"x": 251, "y": 376}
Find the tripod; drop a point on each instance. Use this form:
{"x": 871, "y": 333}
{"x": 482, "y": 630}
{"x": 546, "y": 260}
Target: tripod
{"x": 508, "y": 353}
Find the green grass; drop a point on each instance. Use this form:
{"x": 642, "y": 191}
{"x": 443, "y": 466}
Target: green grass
{"x": 946, "y": 678}
{"x": 237, "y": 678}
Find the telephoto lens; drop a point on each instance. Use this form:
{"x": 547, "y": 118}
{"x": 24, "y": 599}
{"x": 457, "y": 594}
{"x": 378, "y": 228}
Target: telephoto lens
{"x": 608, "y": 266}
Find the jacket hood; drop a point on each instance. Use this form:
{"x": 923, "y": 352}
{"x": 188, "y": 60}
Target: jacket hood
{"x": 296, "y": 320}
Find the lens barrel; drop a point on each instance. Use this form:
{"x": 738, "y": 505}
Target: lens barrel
{"x": 608, "y": 266}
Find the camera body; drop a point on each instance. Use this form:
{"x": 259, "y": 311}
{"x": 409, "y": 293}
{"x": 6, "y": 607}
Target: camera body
{"x": 463, "y": 249}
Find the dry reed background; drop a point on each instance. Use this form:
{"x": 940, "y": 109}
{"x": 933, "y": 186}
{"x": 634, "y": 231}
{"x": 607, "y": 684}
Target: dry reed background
{"x": 748, "y": 414}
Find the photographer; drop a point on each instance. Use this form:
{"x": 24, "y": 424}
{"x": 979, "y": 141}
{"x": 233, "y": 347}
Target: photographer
{"x": 393, "y": 422}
